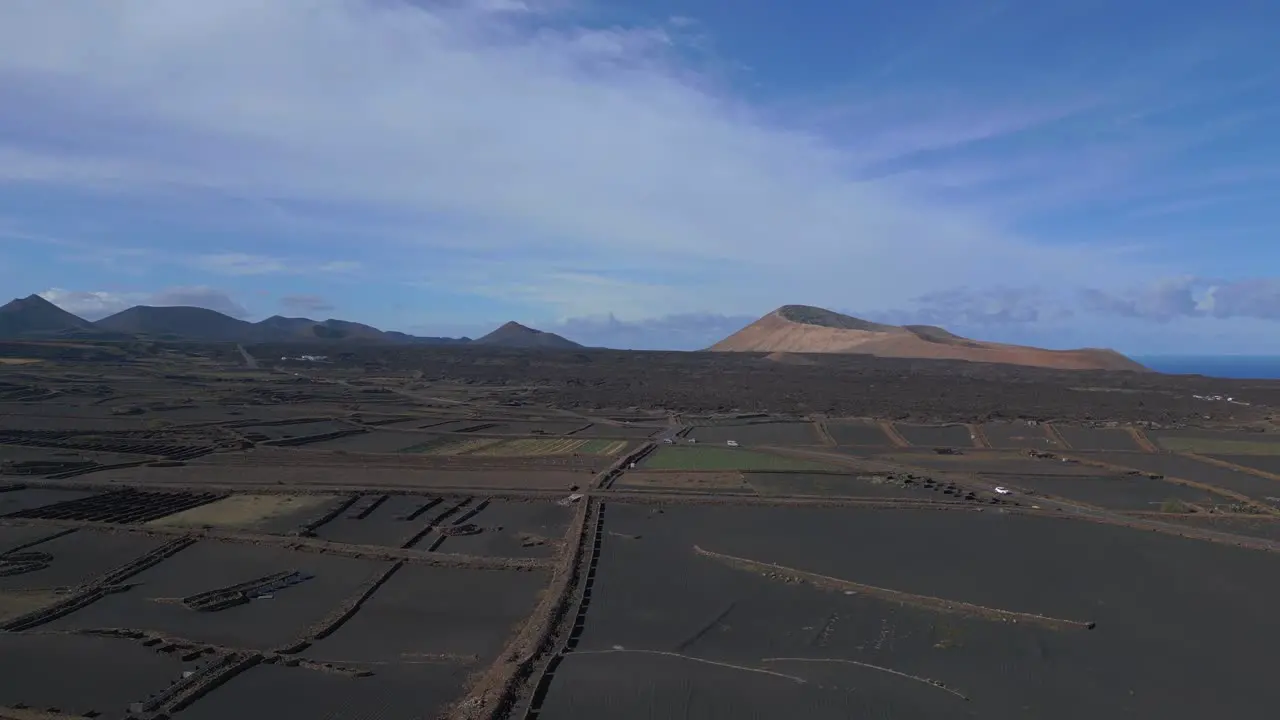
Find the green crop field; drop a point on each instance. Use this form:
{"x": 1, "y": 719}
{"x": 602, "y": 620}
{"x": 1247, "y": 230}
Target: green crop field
{"x": 1219, "y": 446}
{"x": 716, "y": 458}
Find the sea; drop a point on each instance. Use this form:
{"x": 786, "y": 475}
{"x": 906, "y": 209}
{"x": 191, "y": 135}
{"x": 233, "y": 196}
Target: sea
{"x": 1223, "y": 366}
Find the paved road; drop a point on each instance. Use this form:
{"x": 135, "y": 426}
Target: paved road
{"x": 249, "y": 361}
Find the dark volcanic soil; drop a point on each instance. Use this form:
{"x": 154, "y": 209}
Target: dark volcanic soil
{"x": 837, "y": 385}
{"x": 670, "y": 632}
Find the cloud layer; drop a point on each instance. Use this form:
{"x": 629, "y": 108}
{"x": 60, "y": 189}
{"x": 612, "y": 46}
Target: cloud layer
{"x": 95, "y": 305}
{"x": 511, "y": 154}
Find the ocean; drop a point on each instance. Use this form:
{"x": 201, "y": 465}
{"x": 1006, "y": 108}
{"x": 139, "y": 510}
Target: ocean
{"x": 1223, "y": 366}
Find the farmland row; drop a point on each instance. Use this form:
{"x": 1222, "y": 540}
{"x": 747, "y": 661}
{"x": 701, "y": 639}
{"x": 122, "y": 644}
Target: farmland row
{"x": 897, "y": 596}
{"x": 122, "y": 506}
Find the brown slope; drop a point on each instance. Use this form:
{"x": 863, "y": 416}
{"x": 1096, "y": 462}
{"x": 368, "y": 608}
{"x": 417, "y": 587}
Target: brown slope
{"x": 801, "y": 329}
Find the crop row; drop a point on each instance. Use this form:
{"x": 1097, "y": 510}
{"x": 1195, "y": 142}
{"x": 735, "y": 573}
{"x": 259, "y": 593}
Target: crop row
{"x": 438, "y": 520}
{"x": 96, "y": 589}
{"x": 198, "y": 684}
{"x": 173, "y": 452}
{"x": 240, "y": 593}
{"x": 44, "y": 467}
{"x": 310, "y": 439}
{"x": 20, "y": 563}
{"x": 123, "y": 506}
{"x": 308, "y": 529}
{"x": 27, "y": 394}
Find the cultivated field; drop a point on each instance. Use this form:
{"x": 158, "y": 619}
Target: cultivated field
{"x": 418, "y": 532}
{"x": 1261, "y": 489}
{"x": 1018, "y": 435}
{"x": 718, "y": 458}
{"x": 956, "y": 436}
{"x": 856, "y": 432}
{"x": 1109, "y": 439}
{"x": 773, "y": 433}
{"x": 671, "y": 613}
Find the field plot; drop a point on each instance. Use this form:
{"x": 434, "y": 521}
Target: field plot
{"x": 330, "y": 476}
{"x": 274, "y": 692}
{"x": 513, "y": 528}
{"x": 719, "y": 458}
{"x": 450, "y": 445}
{"x": 508, "y": 427}
{"x": 15, "y": 535}
{"x": 771, "y": 433}
{"x": 929, "y": 436}
{"x": 1220, "y": 445}
{"x": 122, "y": 506}
{"x": 1105, "y": 439}
{"x": 266, "y": 513}
{"x": 81, "y": 556}
{"x": 536, "y": 447}
{"x": 390, "y": 520}
{"x": 1018, "y": 435}
{"x": 858, "y": 432}
{"x": 80, "y": 675}
{"x": 16, "y": 501}
{"x": 987, "y": 462}
{"x": 719, "y": 482}
{"x": 1265, "y": 463}
{"x": 154, "y": 600}
{"x": 374, "y": 441}
{"x": 281, "y": 432}
{"x": 1257, "y": 488}
{"x": 636, "y": 432}
{"x": 677, "y": 633}
{"x": 428, "y": 613}
{"x": 468, "y": 425}
{"x": 1267, "y": 528}
{"x": 830, "y": 484}
{"x": 1213, "y": 435}
{"x": 1116, "y": 492}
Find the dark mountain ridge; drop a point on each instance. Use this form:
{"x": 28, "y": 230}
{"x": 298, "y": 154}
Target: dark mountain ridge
{"x": 34, "y": 318}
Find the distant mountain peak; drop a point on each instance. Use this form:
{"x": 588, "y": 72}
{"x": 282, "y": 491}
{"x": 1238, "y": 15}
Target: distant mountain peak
{"x": 513, "y": 334}
{"x": 807, "y": 329}
{"x": 810, "y": 315}
{"x": 34, "y": 315}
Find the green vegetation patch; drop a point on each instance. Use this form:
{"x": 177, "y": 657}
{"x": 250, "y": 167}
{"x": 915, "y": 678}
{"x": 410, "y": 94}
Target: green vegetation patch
{"x": 717, "y": 458}
{"x": 1219, "y": 446}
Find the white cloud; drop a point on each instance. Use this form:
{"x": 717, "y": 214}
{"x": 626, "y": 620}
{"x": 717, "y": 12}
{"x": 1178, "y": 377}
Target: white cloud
{"x": 240, "y": 264}
{"x": 97, "y": 304}
{"x": 92, "y": 304}
{"x": 199, "y": 296}
{"x": 590, "y": 149}
{"x": 245, "y": 264}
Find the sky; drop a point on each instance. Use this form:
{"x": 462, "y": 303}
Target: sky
{"x": 653, "y": 174}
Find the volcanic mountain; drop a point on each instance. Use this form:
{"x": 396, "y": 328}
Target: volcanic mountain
{"x": 804, "y": 329}
{"x": 34, "y": 316}
{"x": 187, "y": 323}
{"x": 515, "y": 335}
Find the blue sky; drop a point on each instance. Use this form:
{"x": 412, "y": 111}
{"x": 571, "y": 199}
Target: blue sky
{"x": 653, "y": 174}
